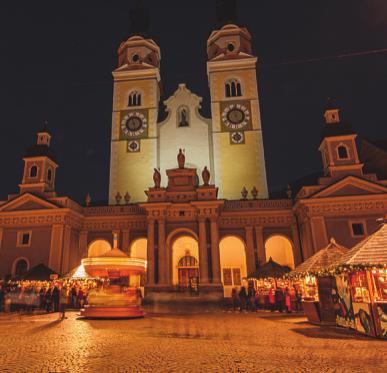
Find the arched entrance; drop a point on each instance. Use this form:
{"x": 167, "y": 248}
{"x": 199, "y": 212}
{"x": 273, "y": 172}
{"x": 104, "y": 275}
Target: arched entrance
{"x": 98, "y": 248}
{"x": 185, "y": 263}
{"x": 20, "y": 267}
{"x": 232, "y": 263}
{"x": 280, "y": 249}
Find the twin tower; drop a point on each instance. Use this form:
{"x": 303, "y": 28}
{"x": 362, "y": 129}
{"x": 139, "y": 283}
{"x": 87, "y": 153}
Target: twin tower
{"x": 230, "y": 143}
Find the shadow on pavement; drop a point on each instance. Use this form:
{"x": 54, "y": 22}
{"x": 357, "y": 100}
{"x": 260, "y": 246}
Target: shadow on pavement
{"x": 46, "y": 326}
{"x": 327, "y": 332}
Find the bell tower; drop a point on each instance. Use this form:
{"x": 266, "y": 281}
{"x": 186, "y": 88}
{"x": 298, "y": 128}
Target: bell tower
{"x": 39, "y": 167}
{"x": 236, "y": 122}
{"x": 135, "y": 110}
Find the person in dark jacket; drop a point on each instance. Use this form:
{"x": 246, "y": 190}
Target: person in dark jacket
{"x": 48, "y": 300}
{"x": 242, "y": 298}
{"x": 55, "y": 298}
{"x": 279, "y": 299}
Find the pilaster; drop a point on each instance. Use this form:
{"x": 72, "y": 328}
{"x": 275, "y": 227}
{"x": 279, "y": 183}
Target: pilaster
{"x": 260, "y": 245}
{"x": 250, "y": 256}
{"x": 162, "y": 262}
{"x": 82, "y": 248}
{"x": 125, "y": 241}
{"x": 203, "y": 255}
{"x": 55, "y": 258}
{"x": 296, "y": 245}
{"x": 215, "y": 256}
{"x": 319, "y": 233}
{"x": 66, "y": 249}
{"x": 151, "y": 252}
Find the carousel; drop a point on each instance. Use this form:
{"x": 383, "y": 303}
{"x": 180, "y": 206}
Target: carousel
{"x": 117, "y": 295}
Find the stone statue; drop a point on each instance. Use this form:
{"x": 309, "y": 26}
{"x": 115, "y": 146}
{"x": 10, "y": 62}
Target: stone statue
{"x": 181, "y": 159}
{"x": 127, "y": 198}
{"x": 88, "y": 199}
{"x": 157, "y": 178}
{"x": 244, "y": 193}
{"x": 118, "y": 198}
{"x": 289, "y": 191}
{"x": 254, "y": 192}
{"x": 183, "y": 122}
{"x": 206, "y": 176}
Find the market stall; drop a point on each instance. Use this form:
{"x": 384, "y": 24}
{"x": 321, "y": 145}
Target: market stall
{"x": 268, "y": 276}
{"x": 361, "y": 286}
{"x": 317, "y": 285}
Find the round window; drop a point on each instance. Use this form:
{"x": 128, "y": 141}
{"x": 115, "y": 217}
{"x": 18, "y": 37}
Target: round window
{"x": 231, "y": 47}
{"x": 136, "y": 58}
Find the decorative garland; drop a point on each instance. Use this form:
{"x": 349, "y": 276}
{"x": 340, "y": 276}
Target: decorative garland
{"x": 335, "y": 270}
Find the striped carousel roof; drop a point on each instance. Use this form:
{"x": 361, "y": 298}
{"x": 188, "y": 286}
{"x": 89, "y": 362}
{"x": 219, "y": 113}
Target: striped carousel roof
{"x": 323, "y": 258}
{"x": 370, "y": 251}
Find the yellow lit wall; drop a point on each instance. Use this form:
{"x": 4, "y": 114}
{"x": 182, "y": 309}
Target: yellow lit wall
{"x": 98, "y": 248}
{"x": 280, "y": 249}
{"x": 138, "y": 249}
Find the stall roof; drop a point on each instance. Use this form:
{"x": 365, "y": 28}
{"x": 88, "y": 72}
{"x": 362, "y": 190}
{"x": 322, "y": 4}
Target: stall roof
{"x": 270, "y": 269}
{"x": 323, "y": 258}
{"x": 370, "y": 251}
{"x": 39, "y": 273}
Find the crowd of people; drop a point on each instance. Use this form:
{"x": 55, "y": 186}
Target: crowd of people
{"x": 287, "y": 299}
{"x": 47, "y": 296}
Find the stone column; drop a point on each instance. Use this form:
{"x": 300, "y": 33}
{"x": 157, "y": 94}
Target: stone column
{"x": 215, "y": 255}
{"x": 66, "y": 249}
{"x": 260, "y": 245}
{"x": 55, "y": 258}
{"x": 250, "y": 256}
{"x": 82, "y": 248}
{"x": 203, "y": 255}
{"x": 163, "y": 263}
{"x": 116, "y": 239}
{"x": 296, "y": 245}
{"x": 319, "y": 233}
{"x": 126, "y": 241}
{"x": 151, "y": 253}
{"x": 1, "y": 236}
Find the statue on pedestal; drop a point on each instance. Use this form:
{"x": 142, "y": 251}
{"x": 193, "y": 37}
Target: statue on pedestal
{"x": 157, "y": 178}
{"x": 118, "y": 198}
{"x": 206, "y": 176}
{"x": 244, "y": 193}
{"x": 254, "y": 192}
{"x": 181, "y": 159}
{"x": 127, "y": 198}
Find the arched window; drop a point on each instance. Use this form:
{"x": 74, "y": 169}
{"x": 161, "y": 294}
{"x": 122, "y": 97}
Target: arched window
{"x": 21, "y": 267}
{"x": 49, "y": 174}
{"x": 183, "y": 117}
{"x": 34, "y": 171}
{"x": 233, "y": 88}
{"x": 342, "y": 152}
{"x": 188, "y": 261}
{"x": 134, "y": 99}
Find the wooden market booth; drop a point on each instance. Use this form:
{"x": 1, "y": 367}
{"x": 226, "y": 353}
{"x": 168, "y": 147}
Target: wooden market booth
{"x": 361, "y": 286}
{"x": 317, "y": 284}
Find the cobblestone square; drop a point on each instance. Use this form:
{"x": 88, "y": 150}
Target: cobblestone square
{"x": 206, "y": 342}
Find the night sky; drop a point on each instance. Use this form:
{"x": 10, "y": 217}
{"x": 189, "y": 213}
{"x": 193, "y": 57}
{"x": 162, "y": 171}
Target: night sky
{"x": 57, "y": 57}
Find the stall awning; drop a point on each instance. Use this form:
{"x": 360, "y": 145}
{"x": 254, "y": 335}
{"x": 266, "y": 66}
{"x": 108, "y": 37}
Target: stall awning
{"x": 322, "y": 259}
{"x": 371, "y": 251}
{"x": 39, "y": 273}
{"x": 270, "y": 269}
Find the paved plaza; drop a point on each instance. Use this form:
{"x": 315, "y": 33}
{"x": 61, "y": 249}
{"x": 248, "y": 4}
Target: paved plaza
{"x": 199, "y": 342}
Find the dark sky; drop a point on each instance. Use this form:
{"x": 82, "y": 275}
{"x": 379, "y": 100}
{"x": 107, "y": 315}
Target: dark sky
{"x": 57, "y": 57}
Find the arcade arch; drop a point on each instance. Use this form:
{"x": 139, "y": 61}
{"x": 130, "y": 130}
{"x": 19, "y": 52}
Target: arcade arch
{"x": 20, "y": 267}
{"x": 233, "y": 266}
{"x": 98, "y": 248}
{"x": 138, "y": 248}
{"x": 280, "y": 249}
{"x": 185, "y": 261}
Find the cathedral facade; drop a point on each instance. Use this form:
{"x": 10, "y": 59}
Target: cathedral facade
{"x": 189, "y": 193}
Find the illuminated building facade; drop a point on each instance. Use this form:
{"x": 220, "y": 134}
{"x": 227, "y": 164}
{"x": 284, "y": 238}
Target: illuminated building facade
{"x": 202, "y": 220}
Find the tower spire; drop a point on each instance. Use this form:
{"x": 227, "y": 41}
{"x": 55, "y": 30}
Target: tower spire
{"x": 226, "y": 12}
{"x": 140, "y": 19}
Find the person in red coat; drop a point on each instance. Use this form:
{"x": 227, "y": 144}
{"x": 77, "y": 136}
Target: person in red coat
{"x": 271, "y": 300}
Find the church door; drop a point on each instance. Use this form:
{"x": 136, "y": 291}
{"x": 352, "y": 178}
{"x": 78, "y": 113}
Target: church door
{"x": 188, "y": 272}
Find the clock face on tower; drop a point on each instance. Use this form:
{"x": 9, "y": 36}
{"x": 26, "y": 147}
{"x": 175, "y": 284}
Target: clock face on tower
{"x": 235, "y": 116}
{"x": 133, "y": 124}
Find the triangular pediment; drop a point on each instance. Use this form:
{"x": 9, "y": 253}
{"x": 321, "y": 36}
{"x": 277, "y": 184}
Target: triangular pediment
{"x": 351, "y": 186}
{"x": 27, "y": 202}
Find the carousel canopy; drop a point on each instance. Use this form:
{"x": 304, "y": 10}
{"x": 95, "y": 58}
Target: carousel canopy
{"x": 270, "y": 269}
{"x": 370, "y": 251}
{"x": 78, "y": 273}
{"x": 39, "y": 273}
{"x": 323, "y": 258}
